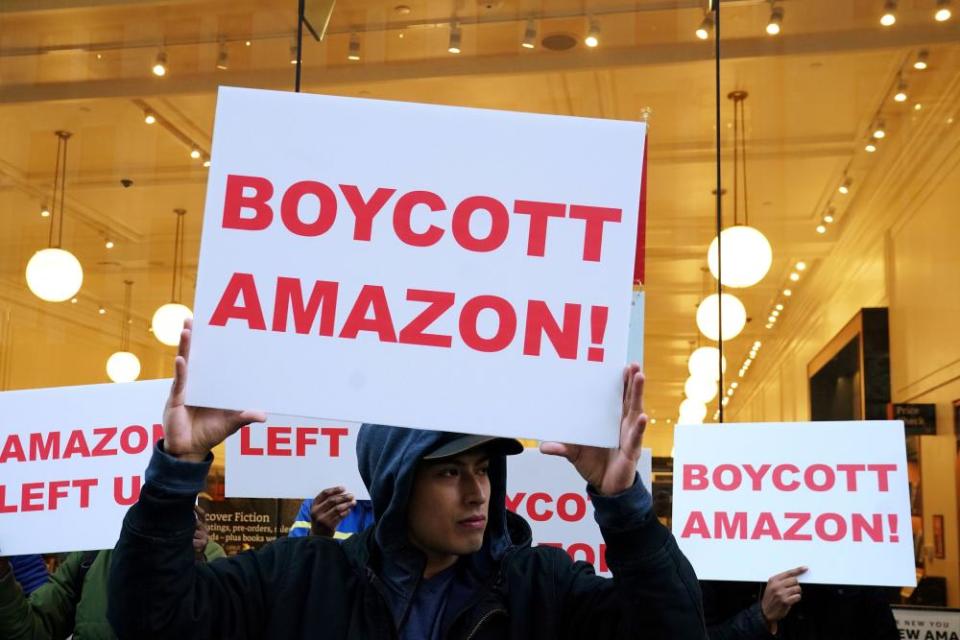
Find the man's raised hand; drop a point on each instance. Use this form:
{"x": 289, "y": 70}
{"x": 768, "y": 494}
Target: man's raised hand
{"x": 191, "y": 432}
{"x": 611, "y": 471}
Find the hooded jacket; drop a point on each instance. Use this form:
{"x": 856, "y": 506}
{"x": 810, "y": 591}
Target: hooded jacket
{"x": 366, "y": 587}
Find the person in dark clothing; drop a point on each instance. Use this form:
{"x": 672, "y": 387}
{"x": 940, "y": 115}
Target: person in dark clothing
{"x": 754, "y": 611}
{"x": 444, "y": 560}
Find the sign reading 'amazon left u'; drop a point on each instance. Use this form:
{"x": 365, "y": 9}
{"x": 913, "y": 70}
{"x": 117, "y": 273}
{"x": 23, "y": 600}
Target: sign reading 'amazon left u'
{"x": 415, "y": 265}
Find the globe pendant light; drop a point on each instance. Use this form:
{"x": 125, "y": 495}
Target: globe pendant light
{"x": 747, "y": 255}
{"x": 692, "y": 412}
{"x": 703, "y": 363}
{"x": 168, "y": 319}
{"x": 54, "y": 274}
{"x": 700, "y": 389}
{"x": 708, "y": 316}
{"x": 124, "y": 366}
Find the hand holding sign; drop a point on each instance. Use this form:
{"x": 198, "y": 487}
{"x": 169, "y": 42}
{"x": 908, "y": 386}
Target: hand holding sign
{"x": 611, "y": 471}
{"x": 191, "y": 432}
{"x": 330, "y": 507}
{"x": 780, "y": 594}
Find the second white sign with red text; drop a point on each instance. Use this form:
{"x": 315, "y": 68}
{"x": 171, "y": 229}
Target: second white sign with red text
{"x": 416, "y": 265}
{"x": 753, "y": 500}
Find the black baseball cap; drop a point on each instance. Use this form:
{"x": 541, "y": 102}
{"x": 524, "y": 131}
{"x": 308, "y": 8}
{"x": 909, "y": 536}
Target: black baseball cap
{"x": 458, "y": 443}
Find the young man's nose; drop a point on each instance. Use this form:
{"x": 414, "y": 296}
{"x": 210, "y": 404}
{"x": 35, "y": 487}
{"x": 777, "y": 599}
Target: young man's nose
{"x": 474, "y": 489}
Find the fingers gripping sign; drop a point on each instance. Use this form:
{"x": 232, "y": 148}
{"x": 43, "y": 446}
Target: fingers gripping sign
{"x": 781, "y": 593}
{"x": 611, "y": 471}
{"x": 329, "y": 509}
{"x": 191, "y": 432}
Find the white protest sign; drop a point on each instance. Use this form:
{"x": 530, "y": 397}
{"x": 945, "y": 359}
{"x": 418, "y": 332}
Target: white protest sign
{"x": 549, "y": 493}
{"x": 289, "y": 457}
{"x": 417, "y": 265}
{"x": 753, "y": 500}
{"x": 72, "y": 462}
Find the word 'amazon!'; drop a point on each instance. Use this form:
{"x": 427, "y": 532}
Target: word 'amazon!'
{"x": 372, "y": 313}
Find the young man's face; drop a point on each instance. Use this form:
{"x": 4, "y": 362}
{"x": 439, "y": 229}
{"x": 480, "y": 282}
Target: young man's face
{"x": 447, "y": 513}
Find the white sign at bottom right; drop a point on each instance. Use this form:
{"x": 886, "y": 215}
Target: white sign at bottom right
{"x": 753, "y": 500}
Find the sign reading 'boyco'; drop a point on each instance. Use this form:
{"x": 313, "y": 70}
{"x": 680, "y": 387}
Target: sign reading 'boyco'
{"x": 753, "y": 500}
{"x": 417, "y": 265}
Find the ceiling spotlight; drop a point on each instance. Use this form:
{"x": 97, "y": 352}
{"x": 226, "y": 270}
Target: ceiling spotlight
{"x": 73, "y": 301}
{"x": 353, "y": 52}
{"x": 844, "y": 187}
{"x": 769, "y": 325}
{"x": 787, "y": 292}
{"x": 772, "y": 319}
{"x": 149, "y": 117}
{"x": 194, "y": 153}
{"x": 734, "y": 385}
{"x": 593, "y": 35}
{"x": 776, "y": 17}
{"x": 454, "y": 46}
{"x": 901, "y": 94}
{"x": 102, "y": 311}
{"x": 160, "y": 64}
{"x": 775, "y": 314}
{"x": 889, "y": 16}
{"x": 821, "y": 229}
{"x": 109, "y": 244}
{"x": 800, "y": 266}
{"x": 530, "y": 35}
{"x": 871, "y": 146}
{"x": 921, "y": 62}
{"x": 223, "y": 60}
{"x": 917, "y": 107}
{"x": 828, "y": 218}
{"x": 293, "y": 53}
{"x": 943, "y": 11}
{"x": 206, "y": 163}
{"x": 880, "y": 131}
{"x": 247, "y": 43}
{"x": 779, "y": 307}
{"x": 706, "y": 26}
{"x": 44, "y": 211}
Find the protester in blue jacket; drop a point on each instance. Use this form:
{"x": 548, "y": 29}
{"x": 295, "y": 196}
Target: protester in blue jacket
{"x": 333, "y": 513}
{"x": 444, "y": 560}
{"x": 29, "y": 571}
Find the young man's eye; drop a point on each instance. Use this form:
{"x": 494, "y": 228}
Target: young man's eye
{"x": 449, "y": 472}
{"x": 483, "y": 470}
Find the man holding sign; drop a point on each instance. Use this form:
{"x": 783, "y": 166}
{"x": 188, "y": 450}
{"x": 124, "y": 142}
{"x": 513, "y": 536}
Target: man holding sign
{"x": 445, "y": 559}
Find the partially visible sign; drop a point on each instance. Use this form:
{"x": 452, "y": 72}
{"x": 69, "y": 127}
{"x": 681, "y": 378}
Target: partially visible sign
{"x": 927, "y": 624}
{"x": 750, "y": 499}
{"x": 918, "y": 419}
{"x": 291, "y": 457}
{"x": 72, "y": 462}
{"x": 552, "y": 497}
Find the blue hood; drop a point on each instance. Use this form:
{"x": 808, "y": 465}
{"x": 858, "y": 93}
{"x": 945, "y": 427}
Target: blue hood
{"x": 387, "y": 458}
